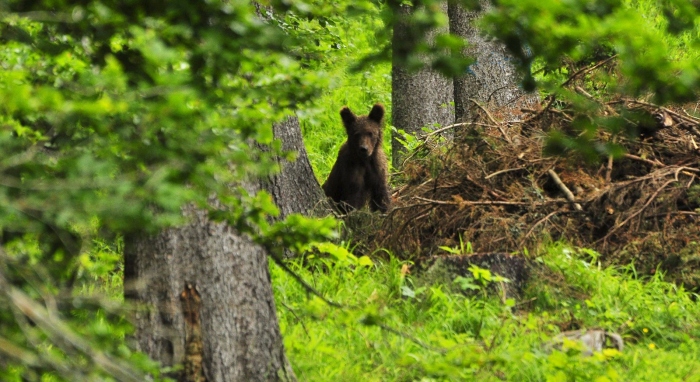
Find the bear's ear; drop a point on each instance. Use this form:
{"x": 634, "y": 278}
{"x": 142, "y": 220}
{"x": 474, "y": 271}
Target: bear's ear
{"x": 347, "y": 115}
{"x": 377, "y": 113}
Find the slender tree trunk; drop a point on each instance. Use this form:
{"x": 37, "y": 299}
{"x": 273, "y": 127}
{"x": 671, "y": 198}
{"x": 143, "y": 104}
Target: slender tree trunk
{"x": 420, "y": 98}
{"x": 492, "y": 80}
{"x": 206, "y": 288}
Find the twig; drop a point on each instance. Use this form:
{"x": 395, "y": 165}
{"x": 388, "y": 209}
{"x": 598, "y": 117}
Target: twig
{"x": 297, "y": 317}
{"x": 526, "y": 301}
{"x": 686, "y": 213}
{"x": 414, "y": 216}
{"x": 26, "y": 357}
{"x": 488, "y": 114}
{"x": 563, "y": 115}
{"x": 694, "y": 118}
{"x": 586, "y": 70}
{"x": 608, "y": 170}
{"x": 426, "y": 139}
{"x": 544, "y": 109}
{"x": 503, "y": 171}
{"x": 651, "y": 199}
{"x": 498, "y": 125}
{"x": 496, "y": 335}
{"x": 473, "y": 203}
{"x": 664, "y": 171}
{"x": 687, "y": 119}
{"x": 411, "y": 338}
{"x": 52, "y": 17}
{"x": 492, "y": 202}
{"x": 440, "y": 130}
{"x": 647, "y": 161}
{"x": 532, "y": 229}
{"x": 491, "y": 192}
{"x": 62, "y": 333}
{"x": 567, "y": 193}
{"x": 300, "y": 280}
{"x": 607, "y": 107}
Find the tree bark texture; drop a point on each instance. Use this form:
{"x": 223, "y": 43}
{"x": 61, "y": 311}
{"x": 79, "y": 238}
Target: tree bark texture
{"x": 420, "y": 98}
{"x": 206, "y": 288}
{"x": 209, "y": 303}
{"x": 295, "y": 189}
{"x": 492, "y": 80}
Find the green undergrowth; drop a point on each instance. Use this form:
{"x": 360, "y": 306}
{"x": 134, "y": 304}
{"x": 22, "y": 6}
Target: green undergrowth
{"x": 388, "y": 330}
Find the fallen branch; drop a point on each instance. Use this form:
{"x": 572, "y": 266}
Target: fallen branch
{"x": 473, "y": 203}
{"x": 492, "y": 120}
{"x": 503, "y": 172}
{"x": 651, "y": 199}
{"x": 532, "y": 229}
{"x": 567, "y": 193}
{"x": 608, "y": 169}
{"x": 491, "y": 202}
{"x": 640, "y": 159}
{"x": 688, "y": 119}
{"x": 426, "y": 138}
{"x": 442, "y": 129}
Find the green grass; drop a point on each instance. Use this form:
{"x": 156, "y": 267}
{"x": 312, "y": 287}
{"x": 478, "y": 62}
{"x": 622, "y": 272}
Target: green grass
{"x": 477, "y": 338}
{"x": 682, "y": 46}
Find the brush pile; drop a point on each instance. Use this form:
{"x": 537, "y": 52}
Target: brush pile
{"x": 489, "y": 185}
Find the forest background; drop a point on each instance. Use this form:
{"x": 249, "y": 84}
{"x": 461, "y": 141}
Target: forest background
{"x": 96, "y": 149}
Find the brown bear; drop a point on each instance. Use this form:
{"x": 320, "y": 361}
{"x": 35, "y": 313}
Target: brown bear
{"x": 359, "y": 174}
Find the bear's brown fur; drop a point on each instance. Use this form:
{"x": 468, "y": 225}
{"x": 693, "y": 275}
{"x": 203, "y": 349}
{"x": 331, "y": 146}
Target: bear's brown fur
{"x": 360, "y": 172}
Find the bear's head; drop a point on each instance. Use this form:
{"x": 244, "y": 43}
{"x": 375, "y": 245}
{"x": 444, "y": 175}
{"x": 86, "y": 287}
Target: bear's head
{"x": 364, "y": 132}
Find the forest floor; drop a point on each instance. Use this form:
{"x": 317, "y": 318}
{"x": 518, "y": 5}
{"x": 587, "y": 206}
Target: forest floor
{"x": 492, "y": 185}
{"x": 611, "y": 243}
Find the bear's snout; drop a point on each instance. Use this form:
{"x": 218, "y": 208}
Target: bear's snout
{"x": 364, "y": 150}
{"x": 365, "y": 146}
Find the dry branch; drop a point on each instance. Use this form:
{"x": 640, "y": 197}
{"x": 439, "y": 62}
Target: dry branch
{"x": 501, "y": 199}
{"x": 567, "y": 193}
{"x": 488, "y": 114}
{"x": 639, "y": 211}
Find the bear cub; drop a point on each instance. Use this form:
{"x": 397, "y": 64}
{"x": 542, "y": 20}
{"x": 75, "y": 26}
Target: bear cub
{"x": 360, "y": 172}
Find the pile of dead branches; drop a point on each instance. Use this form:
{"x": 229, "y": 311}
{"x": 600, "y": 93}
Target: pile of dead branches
{"x": 490, "y": 185}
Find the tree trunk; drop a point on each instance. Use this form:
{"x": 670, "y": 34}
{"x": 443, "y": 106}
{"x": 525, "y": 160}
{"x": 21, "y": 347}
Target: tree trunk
{"x": 207, "y": 288}
{"x": 295, "y": 189}
{"x": 492, "y": 80}
{"x": 418, "y": 99}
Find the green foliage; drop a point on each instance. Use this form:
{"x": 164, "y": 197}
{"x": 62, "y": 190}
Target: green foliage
{"x": 465, "y": 248}
{"x": 88, "y": 343}
{"x": 644, "y": 35}
{"x": 652, "y": 48}
{"x": 113, "y": 115}
{"x": 390, "y": 332}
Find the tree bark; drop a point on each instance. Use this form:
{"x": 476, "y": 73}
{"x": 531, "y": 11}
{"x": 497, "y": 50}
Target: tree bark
{"x": 207, "y": 290}
{"x": 418, "y": 99}
{"x": 295, "y": 189}
{"x": 493, "y": 79}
